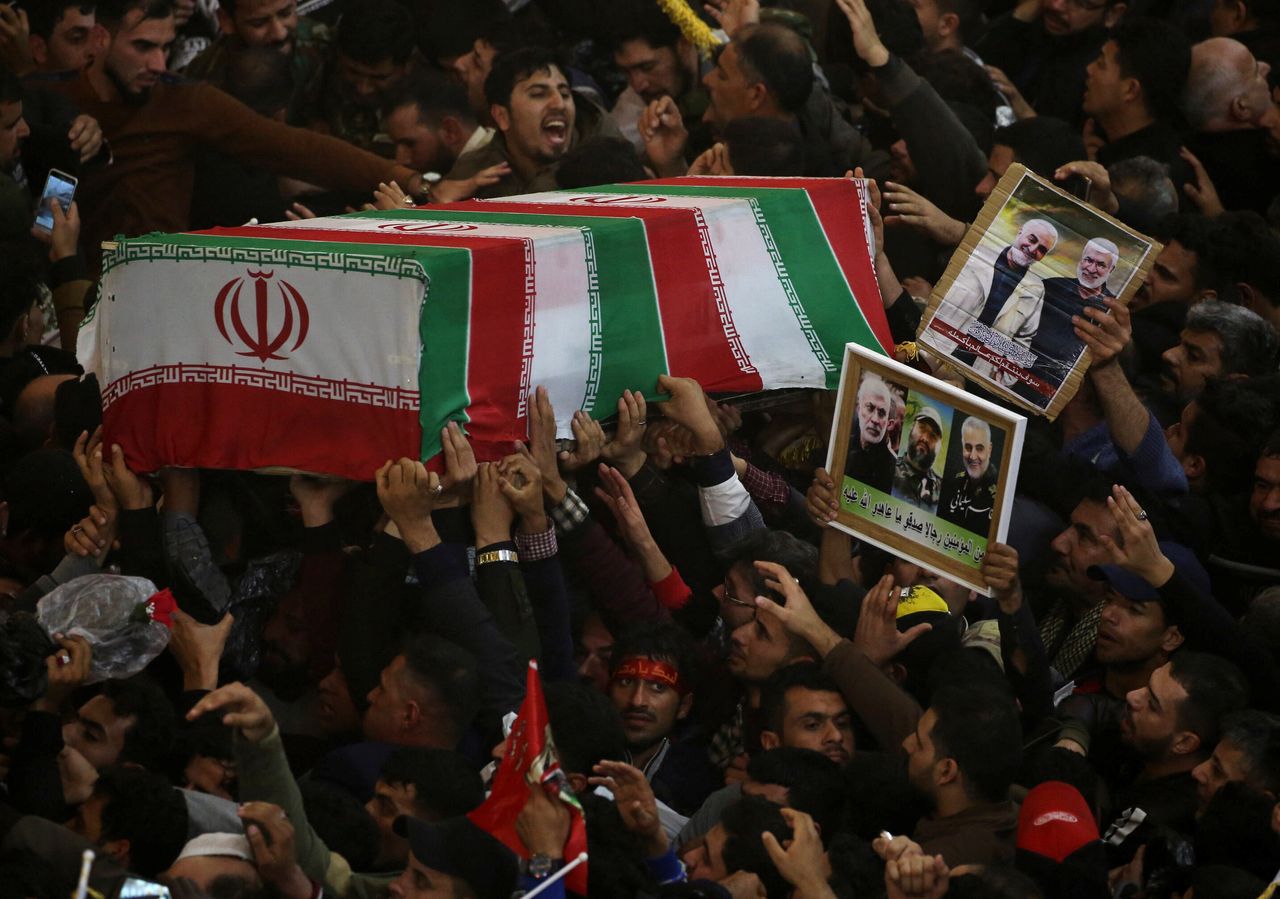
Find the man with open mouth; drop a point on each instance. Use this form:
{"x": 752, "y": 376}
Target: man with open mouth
{"x": 533, "y": 108}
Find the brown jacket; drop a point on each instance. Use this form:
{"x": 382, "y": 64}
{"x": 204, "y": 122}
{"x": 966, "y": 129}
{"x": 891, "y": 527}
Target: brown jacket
{"x": 980, "y": 835}
{"x": 147, "y": 186}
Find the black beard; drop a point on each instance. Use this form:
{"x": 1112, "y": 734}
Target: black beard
{"x": 921, "y": 461}
{"x": 132, "y": 98}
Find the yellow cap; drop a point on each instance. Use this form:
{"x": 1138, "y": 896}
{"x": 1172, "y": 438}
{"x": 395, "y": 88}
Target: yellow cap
{"x": 920, "y": 599}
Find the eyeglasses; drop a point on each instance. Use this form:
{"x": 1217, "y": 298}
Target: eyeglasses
{"x": 732, "y": 600}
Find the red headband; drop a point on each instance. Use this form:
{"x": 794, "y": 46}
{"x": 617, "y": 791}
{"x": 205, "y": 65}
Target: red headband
{"x": 651, "y": 670}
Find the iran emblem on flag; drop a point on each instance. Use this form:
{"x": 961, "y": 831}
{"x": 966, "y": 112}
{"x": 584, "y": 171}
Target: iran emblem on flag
{"x": 531, "y": 760}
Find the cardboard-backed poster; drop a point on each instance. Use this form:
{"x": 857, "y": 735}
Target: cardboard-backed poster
{"x": 924, "y": 470}
{"x": 1034, "y": 259}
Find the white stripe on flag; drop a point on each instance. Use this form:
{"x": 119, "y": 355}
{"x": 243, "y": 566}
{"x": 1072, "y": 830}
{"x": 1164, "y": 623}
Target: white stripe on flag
{"x": 189, "y": 320}
{"x": 563, "y": 344}
{"x": 774, "y": 338}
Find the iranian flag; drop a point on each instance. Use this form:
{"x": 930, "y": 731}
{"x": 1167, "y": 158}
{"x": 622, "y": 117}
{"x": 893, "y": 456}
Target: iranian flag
{"x": 332, "y": 344}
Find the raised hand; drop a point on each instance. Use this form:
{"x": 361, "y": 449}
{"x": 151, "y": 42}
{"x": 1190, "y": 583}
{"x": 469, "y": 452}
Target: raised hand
{"x": 85, "y": 136}
{"x": 732, "y": 15}
{"x": 866, "y": 43}
{"x": 712, "y": 161}
{"x": 1004, "y": 84}
{"x": 877, "y": 635}
{"x": 241, "y": 708}
{"x": 68, "y": 669}
{"x": 588, "y": 443}
{"x": 1101, "y": 196}
{"x": 491, "y": 512}
{"x": 1138, "y": 550}
{"x": 271, "y": 837}
{"x": 198, "y": 648}
{"x": 1201, "y": 189}
{"x": 688, "y": 408}
{"x": 664, "y": 134}
{"x": 797, "y": 615}
{"x": 1000, "y": 573}
{"x": 1105, "y": 335}
{"x": 913, "y": 210}
{"x": 626, "y": 448}
{"x": 93, "y": 536}
{"x": 409, "y": 493}
{"x": 542, "y": 444}
{"x": 802, "y": 861}
{"x": 131, "y": 491}
{"x": 822, "y": 501}
{"x": 544, "y": 823}
{"x": 520, "y": 481}
{"x": 459, "y": 463}
{"x": 635, "y": 802}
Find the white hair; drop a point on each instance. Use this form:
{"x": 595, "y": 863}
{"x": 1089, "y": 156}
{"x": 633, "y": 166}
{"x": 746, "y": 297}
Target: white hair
{"x": 974, "y": 423}
{"x": 874, "y": 381}
{"x": 1044, "y": 223}
{"x": 1212, "y": 82}
{"x": 1106, "y": 246}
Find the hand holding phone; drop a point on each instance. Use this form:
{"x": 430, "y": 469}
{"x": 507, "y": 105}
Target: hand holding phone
{"x": 59, "y": 187}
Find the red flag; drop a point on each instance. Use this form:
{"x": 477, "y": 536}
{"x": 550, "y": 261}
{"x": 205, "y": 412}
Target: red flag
{"x": 531, "y": 758}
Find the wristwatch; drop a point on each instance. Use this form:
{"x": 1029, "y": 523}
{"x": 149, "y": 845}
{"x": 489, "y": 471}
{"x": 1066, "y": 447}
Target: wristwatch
{"x": 540, "y": 867}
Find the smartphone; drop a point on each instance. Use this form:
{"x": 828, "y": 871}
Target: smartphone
{"x": 137, "y": 888}
{"x": 60, "y": 186}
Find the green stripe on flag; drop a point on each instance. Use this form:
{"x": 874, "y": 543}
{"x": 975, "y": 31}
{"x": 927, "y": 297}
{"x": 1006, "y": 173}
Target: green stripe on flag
{"x": 445, "y": 330}
{"x": 631, "y": 338}
{"x": 807, "y": 268}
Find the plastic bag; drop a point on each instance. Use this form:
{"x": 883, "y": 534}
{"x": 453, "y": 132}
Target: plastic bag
{"x": 125, "y": 620}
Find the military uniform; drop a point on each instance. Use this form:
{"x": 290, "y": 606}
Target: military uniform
{"x": 968, "y": 503}
{"x": 921, "y": 488}
{"x": 310, "y": 49}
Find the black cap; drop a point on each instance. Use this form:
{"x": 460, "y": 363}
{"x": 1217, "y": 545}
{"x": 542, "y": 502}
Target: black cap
{"x": 459, "y": 848}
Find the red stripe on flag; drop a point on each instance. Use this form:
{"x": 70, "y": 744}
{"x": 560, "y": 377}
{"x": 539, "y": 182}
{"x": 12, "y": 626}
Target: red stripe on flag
{"x": 693, "y": 324}
{"x": 213, "y": 425}
{"x": 498, "y": 305}
{"x": 835, "y": 200}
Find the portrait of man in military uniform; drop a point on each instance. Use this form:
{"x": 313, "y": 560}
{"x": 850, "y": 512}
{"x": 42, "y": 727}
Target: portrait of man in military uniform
{"x": 914, "y": 478}
{"x": 969, "y": 491}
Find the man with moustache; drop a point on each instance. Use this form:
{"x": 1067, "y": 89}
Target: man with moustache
{"x": 651, "y": 686}
{"x": 535, "y": 113}
{"x": 914, "y": 478}
{"x": 870, "y": 461}
{"x": 1044, "y": 47}
{"x": 274, "y": 24}
{"x": 1002, "y": 296}
{"x": 155, "y": 124}
{"x": 969, "y": 495}
{"x": 1055, "y": 344}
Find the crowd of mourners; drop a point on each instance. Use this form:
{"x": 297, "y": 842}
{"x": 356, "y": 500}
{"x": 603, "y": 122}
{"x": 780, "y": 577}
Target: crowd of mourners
{"x": 745, "y": 701}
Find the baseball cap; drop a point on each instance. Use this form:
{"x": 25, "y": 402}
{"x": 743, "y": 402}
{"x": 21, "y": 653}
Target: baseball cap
{"x": 928, "y": 413}
{"x": 1055, "y": 821}
{"x": 457, "y": 847}
{"x": 919, "y": 598}
{"x": 1131, "y": 586}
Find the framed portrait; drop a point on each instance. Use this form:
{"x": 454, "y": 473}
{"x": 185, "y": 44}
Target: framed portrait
{"x": 1035, "y": 257}
{"x": 923, "y": 470}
